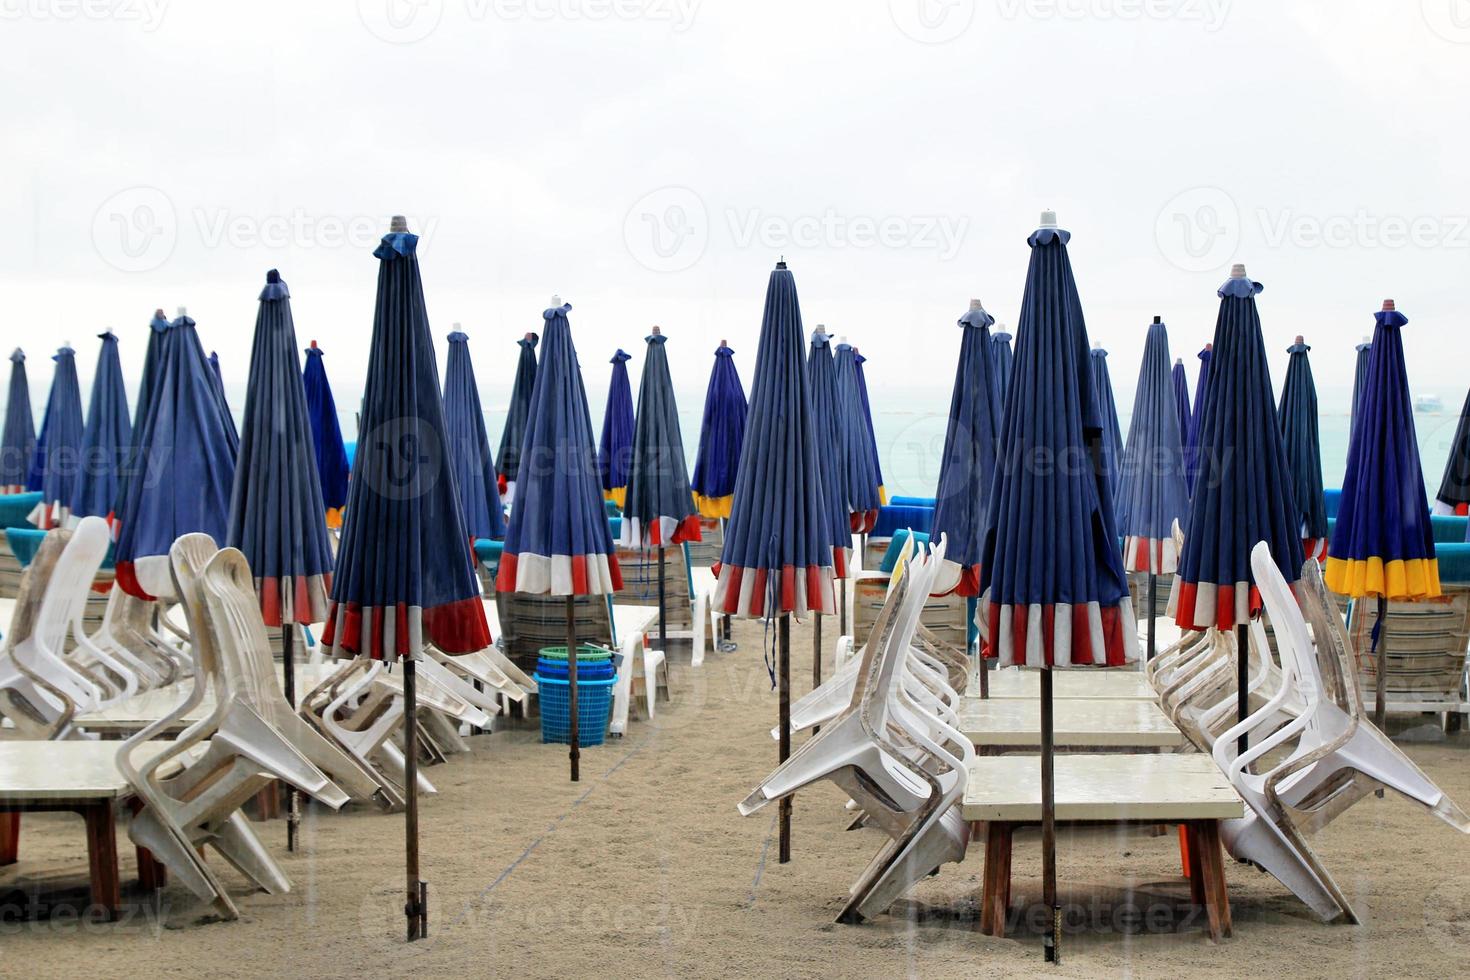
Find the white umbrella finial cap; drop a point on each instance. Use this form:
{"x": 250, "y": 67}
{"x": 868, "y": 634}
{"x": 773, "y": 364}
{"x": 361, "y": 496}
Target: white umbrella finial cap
{"x": 183, "y": 311}
{"x": 1367, "y": 339}
{"x": 1388, "y": 306}
{"x": 842, "y": 339}
{"x": 1048, "y": 219}
{"x": 658, "y": 331}
{"x": 1237, "y": 271}
{"x": 975, "y": 304}
{"x": 398, "y": 223}
{"x": 555, "y": 301}
{"x": 456, "y": 324}
{"x": 1300, "y": 339}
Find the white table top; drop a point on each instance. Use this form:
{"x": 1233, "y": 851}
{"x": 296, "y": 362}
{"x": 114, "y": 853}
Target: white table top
{"x": 144, "y": 709}
{"x": 32, "y": 772}
{"x": 1077, "y": 723}
{"x": 1162, "y": 788}
{"x": 1086, "y": 683}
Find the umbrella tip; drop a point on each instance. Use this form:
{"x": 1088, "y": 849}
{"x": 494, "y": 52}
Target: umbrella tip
{"x": 724, "y": 342}
{"x": 1209, "y": 347}
{"x": 781, "y": 262}
{"x": 313, "y": 345}
{"x": 398, "y": 223}
{"x": 843, "y": 340}
{"x": 658, "y": 331}
{"x": 975, "y": 304}
{"x": 158, "y": 313}
{"x": 530, "y": 335}
{"x": 183, "y": 311}
{"x": 1178, "y": 362}
{"x": 1237, "y": 271}
{"x": 555, "y": 301}
{"x": 456, "y": 325}
{"x": 1367, "y": 339}
{"x": 1300, "y": 339}
{"x": 1388, "y": 306}
{"x": 1158, "y": 319}
{"x": 1048, "y": 219}
{"x": 273, "y": 275}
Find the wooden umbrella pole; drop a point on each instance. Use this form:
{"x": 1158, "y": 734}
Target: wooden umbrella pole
{"x": 574, "y": 734}
{"x": 842, "y": 605}
{"x": 817, "y": 660}
{"x": 783, "y": 656}
{"x": 972, "y": 607}
{"x": 1153, "y": 600}
{"x": 1052, "y": 940}
{"x": 1380, "y": 641}
{"x": 1242, "y": 682}
{"x": 663, "y": 622}
{"x": 288, "y": 664}
{"x": 417, "y": 906}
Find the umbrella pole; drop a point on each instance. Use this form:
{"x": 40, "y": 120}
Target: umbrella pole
{"x": 574, "y": 734}
{"x": 288, "y": 664}
{"x": 817, "y": 660}
{"x": 1242, "y": 683}
{"x": 972, "y": 608}
{"x": 1153, "y": 598}
{"x": 1052, "y": 940}
{"x": 783, "y": 655}
{"x": 1380, "y": 645}
{"x": 417, "y": 906}
{"x": 663, "y": 625}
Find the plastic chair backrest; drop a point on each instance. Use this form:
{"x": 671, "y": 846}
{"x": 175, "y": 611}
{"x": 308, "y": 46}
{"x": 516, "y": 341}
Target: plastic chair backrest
{"x": 187, "y": 557}
{"x": 71, "y": 582}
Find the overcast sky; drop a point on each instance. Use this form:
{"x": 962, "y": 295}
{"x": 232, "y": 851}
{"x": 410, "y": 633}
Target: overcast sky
{"x": 649, "y": 160}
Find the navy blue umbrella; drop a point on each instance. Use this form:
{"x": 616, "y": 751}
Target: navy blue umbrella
{"x": 862, "y": 484}
{"x": 183, "y": 470}
{"x": 1192, "y": 461}
{"x": 231, "y": 432}
{"x": 1152, "y": 494}
{"x": 1051, "y": 574}
{"x": 777, "y": 560}
{"x": 105, "y": 439}
{"x": 469, "y": 445}
{"x": 1181, "y": 398}
{"x": 1301, "y": 432}
{"x": 59, "y": 447}
{"x": 332, "y": 468}
{"x": 1360, "y": 382}
{"x": 1107, "y": 407}
{"x": 1001, "y": 361}
{"x": 615, "y": 451}
{"x": 1454, "y": 486}
{"x": 405, "y": 571}
{"x": 152, "y": 355}
{"x": 967, "y": 465}
{"x": 19, "y": 445}
{"x": 721, "y": 432}
{"x": 508, "y": 460}
{"x": 558, "y": 541}
{"x": 858, "y": 361}
{"x": 821, "y": 370}
{"x": 1383, "y": 542}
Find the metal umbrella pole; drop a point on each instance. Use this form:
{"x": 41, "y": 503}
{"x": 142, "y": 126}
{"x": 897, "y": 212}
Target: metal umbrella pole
{"x": 416, "y": 908}
{"x": 573, "y": 732}
{"x": 288, "y": 665}
{"x": 783, "y": 656}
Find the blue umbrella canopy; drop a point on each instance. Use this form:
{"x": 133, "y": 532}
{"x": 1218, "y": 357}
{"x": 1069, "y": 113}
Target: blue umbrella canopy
{"x": 821, "y": 375}
{"x": 1052, "y": 577}
{"x": 1181, "y": 398}
{"x": 405, "y": 571}
{"x": 1243, "y": 494}
{"x": 721, "y": 432}
{"x": 183, "y": 471}
{"x": 615, "y": 451}
{"x": 231, "y": 432}
{"x": 332, "y": 468}
{"x": 59, "y": 447}
{"x": 106, "y": 437}
{"x": 469, "y": 445}
{"x": 1001, "y": 360}
{"x": 1383, "y": 542}
{"x": 558, "y": 541}
{"x": 776, "y": 557}
{"x": 961, "y": 501}
{"x": 659, "y": 508}
{"x": 1152, "y": 494}
{"x": 858, "y": 361}
{"x": 1196, "y": 418}
{"x": 508, "y": 460}
{"x": 19, "y": 445}
{"x": 1454, "y": 486}
{"x": 1301, "y": 433}
{"x": 1360, "y": 382}
{"x": 862, "y": 484}
{"x": 1107, "y": 408}
{"x": 276, "y": 518}
{"x": 152, "y": 355}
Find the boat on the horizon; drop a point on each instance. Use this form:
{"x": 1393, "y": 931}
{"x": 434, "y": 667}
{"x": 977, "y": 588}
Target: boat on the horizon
{"x": 1428, "y": 404}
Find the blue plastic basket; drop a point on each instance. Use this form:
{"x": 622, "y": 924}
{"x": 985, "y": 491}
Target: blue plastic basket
{"x": 557, "y": 670}
{"x": 594, "y": 703}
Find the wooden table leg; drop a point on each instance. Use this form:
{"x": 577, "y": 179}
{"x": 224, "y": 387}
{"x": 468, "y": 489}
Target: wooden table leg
{"x": 1192, "y": 867}
{"x": 9, "y": 838}
{"x": 152, "y": 873}
{"x": 1212, "y": 864}
{"x": 995, "y": 898}
{"x": 102, "y": 856}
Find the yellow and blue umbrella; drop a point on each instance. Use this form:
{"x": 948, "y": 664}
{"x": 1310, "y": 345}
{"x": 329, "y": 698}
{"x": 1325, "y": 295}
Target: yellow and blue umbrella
{"x": 1301, "y": 432}
{"x": 59, "y": 446}
{"x": 508, "y": 459}
{"x": 615, "y": 450}
{"x": 105, "y": 439}
{"x": 332, "y": 468}
{"x": 721, "y": 433}
{"x": 19, "y": 441}
{"x": 468, "y": 444}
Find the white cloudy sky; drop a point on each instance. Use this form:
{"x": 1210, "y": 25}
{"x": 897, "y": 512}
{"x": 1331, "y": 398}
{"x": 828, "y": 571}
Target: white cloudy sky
{"x": 650, "y": 159}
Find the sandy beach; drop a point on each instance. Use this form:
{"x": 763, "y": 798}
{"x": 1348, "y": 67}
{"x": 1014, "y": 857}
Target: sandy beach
{"x": 645, "y": 869}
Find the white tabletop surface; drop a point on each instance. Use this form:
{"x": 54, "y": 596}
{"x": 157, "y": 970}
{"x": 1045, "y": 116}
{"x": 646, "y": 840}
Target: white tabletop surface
{"x": 1163, "y": 788}
{"x": 38, "y": 771}
{"x": 142, "y": 710}
{"x": 1101, "y": 685}
{"x": 1077, "y": 723}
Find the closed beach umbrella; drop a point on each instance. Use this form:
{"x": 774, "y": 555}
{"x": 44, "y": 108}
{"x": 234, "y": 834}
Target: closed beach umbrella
{"x": 1181, "y": 398}
{"x": 508, "y": 460}
{"x": 326, "y": 433}
{"x": 1383, "y": 543}
{"x": 469, "y": 445}
{"x": 1152, "y": 494}
{"x": 1196, "y": 418}
{"x": 721, "y": 432}
{"x": 105, "y": 439}
{"x": 1001, "y": 360}
{"x": 861, "y": 481}
{"x": 1300, "y": 431}
{"x": 1107, "y": 408}
{"x": 968, "y": 463}
{"x": 1454, "y": 486}
{"x": 276, "y": 518}
{"x": 405, "y": 572}
{"x": 615, "y": 451}
{"x": 1360, "y": 381}
{"x": 231, "y": 432}
{"x": 1052, "y": 577}
{"x": 152, "y": 358}
{"x": 777, "y": 561}
{"x": 59, "y": 447}
{"x": 20, "y": 429}
{"x": 858, "y": 361}
{"x": 821, "y": 371}
{"x": 184, "y": 470}
{"x": 558, "y": 542}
